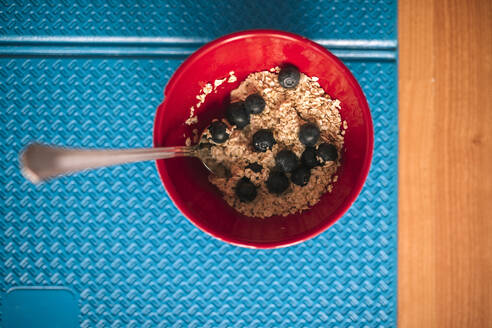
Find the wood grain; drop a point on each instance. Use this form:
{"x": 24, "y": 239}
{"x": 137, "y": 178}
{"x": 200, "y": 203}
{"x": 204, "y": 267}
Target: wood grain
{"x": 445, "y": 219}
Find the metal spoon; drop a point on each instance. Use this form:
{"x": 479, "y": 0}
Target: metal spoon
{"x": 42, "y": 162}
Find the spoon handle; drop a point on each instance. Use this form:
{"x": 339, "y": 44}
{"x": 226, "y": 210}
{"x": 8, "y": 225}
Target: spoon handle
{"x": 41, "y": 162}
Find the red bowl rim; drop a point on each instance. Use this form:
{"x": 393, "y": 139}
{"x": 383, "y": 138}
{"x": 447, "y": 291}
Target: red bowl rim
{"x": 365, "y": 166}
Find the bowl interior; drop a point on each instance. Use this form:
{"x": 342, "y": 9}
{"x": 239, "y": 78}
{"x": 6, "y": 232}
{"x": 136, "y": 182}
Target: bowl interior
{"x": 185, "y": 179}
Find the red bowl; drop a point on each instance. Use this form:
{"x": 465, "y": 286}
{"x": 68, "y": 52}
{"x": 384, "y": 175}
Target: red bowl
{"x": 185, "y": 179}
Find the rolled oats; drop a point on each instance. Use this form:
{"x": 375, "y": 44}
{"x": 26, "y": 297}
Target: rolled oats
{"x": 285, "y": 111}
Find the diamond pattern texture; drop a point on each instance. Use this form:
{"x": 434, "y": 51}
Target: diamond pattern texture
{"x": 113, "y": 236}
{"x": 351, "y": 19}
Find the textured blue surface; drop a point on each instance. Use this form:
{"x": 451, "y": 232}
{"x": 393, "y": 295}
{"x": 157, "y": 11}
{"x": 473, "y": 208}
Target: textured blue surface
{"x": 351, "y": 19}
{"x": 114, "y": 238}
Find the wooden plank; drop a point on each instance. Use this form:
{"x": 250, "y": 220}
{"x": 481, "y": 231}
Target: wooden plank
{"x": 445, "y": 219}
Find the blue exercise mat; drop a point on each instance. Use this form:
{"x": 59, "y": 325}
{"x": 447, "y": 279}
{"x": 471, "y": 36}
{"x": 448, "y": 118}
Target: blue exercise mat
{"x": 107, "y": 248}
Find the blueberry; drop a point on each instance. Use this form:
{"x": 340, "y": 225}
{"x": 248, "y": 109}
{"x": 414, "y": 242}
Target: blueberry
{"x": 309, "y": 134}
{"x": 237, "y": 115}
{"x": 245, "y": 190}
{"x": 255, "y": 167}
{"x": 254, "y": 104}
{"x": 327, "y": 152}
{"x": 218, "y": 130}
{"x": 286, "y": 160}
{"x": 301, "y": 176}
{"x": 277, "y": 182}
{"x": 308, "y": 157}
{"x": 263, "y": 140}
{"x": 289, "y": 77}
